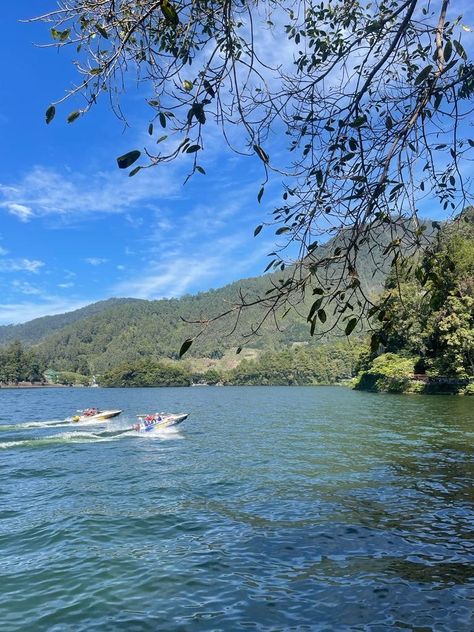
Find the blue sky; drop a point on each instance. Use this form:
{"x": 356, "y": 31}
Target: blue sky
{"x": 74, "y": 228}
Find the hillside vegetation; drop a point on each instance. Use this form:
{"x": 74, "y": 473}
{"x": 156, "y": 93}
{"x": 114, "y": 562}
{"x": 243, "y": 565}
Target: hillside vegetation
{"x": 427, "y": 320}
{"x": 110, "y": 333}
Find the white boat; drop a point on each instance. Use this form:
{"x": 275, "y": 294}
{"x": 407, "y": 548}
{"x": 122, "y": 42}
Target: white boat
{"x": 156, "y": 421}
{"x": 92, "y": 415}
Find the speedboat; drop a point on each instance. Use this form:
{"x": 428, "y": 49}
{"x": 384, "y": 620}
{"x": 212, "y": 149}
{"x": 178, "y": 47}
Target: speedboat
{"x": 94, "y": 414}
{"x": 156, "y": 421}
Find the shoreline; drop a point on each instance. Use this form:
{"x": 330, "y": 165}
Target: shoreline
{"x": 22, "y": 386}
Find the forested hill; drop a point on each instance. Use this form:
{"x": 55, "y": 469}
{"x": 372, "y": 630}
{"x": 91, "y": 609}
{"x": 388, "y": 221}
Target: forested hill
{"x": 105, "y": 334}
{"x": 35, "y": 330}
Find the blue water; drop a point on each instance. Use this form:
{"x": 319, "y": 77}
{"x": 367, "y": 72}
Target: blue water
{"x": 270, "y": 508}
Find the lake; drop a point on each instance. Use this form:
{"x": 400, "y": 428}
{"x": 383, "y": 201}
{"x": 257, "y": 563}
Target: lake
{"x": 272, "y": 508}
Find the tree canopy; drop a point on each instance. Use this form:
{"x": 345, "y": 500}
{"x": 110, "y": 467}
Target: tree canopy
{"x": 372, "y": 99}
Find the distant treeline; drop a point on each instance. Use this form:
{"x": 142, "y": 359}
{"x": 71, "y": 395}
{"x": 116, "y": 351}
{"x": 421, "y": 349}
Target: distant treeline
{"x": 324, "y": 364}
{"x": 18, "y": 364}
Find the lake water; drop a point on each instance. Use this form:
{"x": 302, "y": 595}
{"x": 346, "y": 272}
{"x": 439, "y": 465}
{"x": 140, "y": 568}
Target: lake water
{"x": 272, "y": 508}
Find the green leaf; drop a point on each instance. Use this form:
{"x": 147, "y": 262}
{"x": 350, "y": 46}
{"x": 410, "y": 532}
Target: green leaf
{"x": 162, "y": 118}
{"x": 134, "y": 172}
{"x": 459, "y": 49}
{"x": 161, "y": 139}
{"x": 283, "y": 229}
{"x": 102, "y": 31}
{"x": 208, "y": 88}
{"x": 322, "y": 315}
{"x": 201, "y": 170}
{"x": 238, "y": 350}
{"x": 128, "y": 159}
{"x": 193, "y": 149}
{"x": 169, "y": 12}
{"x": 60, "y": 36}
{"x": 257, "y": 230}
{"x": 260, "y": 194}
{"x": 424, "y": 74}
{"x": 448, "y": 49}
{"x": 359, "y": 121}
{"x": 185, "y": 346}
{"x": 150, "y": 129}
{"x": 350, "y": 326}
{"x": 314, "y": 307}
{"x": 50, "y": 113}
{"x": 73, "y": 116}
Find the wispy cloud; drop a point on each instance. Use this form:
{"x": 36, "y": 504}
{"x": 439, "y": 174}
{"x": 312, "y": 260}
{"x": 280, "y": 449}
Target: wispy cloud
{"x": 95, "y": 261}
{"x": 26, "y": 288}
{"x": 3, "y": 251}
{"x": 48, "y": 192}
{"x": 21, "y": 265}
{"x": 24, "y": 213}
{"x": 175, "y": 275}
{"x": 21, "y": 312}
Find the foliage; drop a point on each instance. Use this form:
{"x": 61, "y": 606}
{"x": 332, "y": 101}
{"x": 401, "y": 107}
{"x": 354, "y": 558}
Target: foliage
{"x": 372, "y": 108}
{"x": 389, "y": 372}
{"x": 128, "y": 330}
{"x": 429, "y": 314}
{"x": 146, "y": 372}
{"x": 18, "y": 364}
{"x": 469, "y": 390}
{"x": 72, "y": 379}
{"x": 322, "y": 364}
{"x": 35, "y": 330}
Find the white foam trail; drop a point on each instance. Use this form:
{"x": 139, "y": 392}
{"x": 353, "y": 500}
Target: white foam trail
{"x": 11, "y": 444}
{"x": 53, "y": 423}
{"x": 160, "y": 434}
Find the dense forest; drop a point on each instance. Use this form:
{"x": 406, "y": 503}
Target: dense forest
{"x": 19, "y": 364}
{"x": 427, "y": 320}
{"x": 299, "y": 365}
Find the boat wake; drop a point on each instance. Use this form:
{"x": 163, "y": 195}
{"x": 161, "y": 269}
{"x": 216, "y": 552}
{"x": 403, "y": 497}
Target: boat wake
{"x": 160, "y": 434}
{"x": 53, "y": 423}
{"x": 64, "y": 438}
{"x": 81, "y": 436}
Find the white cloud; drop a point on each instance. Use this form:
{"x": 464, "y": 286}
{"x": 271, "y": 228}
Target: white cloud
{"x": 24, "y": 213}
{"x": 20, "y": 265}
{"x": 64, "y": 286}
{"x": 3, "y": 251}
{"x": 25, "y": 288}
{"x": 95, "y": 261}
{"x": 47, "y": 192}
{"x": 24, "y": 311}
{"x": 174, "y": 275}
{"x": 168, "y": 279}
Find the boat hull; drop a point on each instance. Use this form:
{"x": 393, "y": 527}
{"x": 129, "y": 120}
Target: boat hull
{"x": 103, "y": 415}
{"x": 164, "y": 420}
